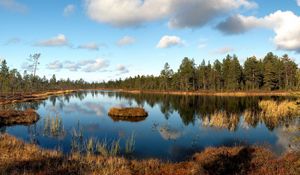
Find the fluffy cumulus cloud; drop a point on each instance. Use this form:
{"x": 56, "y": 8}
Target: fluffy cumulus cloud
{"x": 13, "y": 5}
{"x": 89, "y": 46}
{"x": 69, "y": 10}
{"x": 180, "y": 14}
{"x": 84, "y": 65}
{"x": 59, "y": 40}
{"x": 169, "y": 41}
{"x": 94, "y": 65}
{"x": 126, "y": 40}
{"x": 286, "y": 26}
{"x": 298, "y": 3}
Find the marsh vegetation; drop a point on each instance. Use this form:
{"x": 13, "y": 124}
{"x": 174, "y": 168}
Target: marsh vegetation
{"x": 13, "y": 117}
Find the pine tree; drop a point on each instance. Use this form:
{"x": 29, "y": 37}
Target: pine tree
{"x": 187, "y": 74}
{"x": 252, "y": 73}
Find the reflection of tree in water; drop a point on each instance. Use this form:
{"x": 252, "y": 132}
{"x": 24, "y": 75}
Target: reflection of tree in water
{"x": 222, "y": 119}
{"x": 250, "y": 118}
{"x": 206, "y": 108}
{"x": 33, "y": 134}
{"x": 54, "y": 128}
{"x": 23, "y": 106}
{"x": 166, "y": 108}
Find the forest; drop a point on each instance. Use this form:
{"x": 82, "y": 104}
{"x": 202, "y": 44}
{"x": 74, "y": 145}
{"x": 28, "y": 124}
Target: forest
{"x": 12, "y": 81}
{"x": 269, "y": 73}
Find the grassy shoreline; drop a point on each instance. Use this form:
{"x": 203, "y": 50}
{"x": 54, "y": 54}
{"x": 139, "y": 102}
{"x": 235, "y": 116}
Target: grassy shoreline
{"x": 18, "y": 157}
{"x": 212, "y": 93}
{"x": 36, "y": 96}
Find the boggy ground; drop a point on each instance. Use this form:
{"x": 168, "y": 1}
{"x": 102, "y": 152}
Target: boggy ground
{"x": 13, "y": 117}
{"x": 213, "y": 93}
{"x": 20, "y": 97}
{"x": 18, "y": 157}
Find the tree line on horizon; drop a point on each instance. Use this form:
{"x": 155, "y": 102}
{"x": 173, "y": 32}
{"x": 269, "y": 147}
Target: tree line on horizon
{"x": 12, "y": 81}
{"x": 269, "y": 73}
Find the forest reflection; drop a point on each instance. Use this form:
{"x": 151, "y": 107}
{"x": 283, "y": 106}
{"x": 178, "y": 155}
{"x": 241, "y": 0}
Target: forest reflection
{"x": 213, "y": 111}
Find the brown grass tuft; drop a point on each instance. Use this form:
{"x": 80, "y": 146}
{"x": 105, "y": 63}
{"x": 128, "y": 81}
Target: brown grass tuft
{"x": 12, "y": 117}
{"x": 128, "y": 114}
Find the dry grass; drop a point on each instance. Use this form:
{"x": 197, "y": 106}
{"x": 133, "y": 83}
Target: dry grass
{"x": 215, "y": 93}
{"x": 12, "y": 117}
{"x": 19, "y": 98}
{"x": 279, "y": 109}
{"x": 128, "y": 114}
{"x": 19, "y": 158}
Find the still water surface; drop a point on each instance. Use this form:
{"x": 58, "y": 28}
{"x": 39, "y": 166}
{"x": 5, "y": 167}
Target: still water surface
{"x": 177, "y": 126}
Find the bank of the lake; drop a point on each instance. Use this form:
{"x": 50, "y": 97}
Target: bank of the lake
{"x": 35, "y": 96}
{"x": 212, "y": 93}
{"x": 18, "y": 157}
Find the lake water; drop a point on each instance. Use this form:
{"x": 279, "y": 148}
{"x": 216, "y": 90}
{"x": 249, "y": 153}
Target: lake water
{"x": 176, "y": 127}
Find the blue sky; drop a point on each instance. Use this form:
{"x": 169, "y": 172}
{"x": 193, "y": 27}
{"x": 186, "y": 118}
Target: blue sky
{"x": 108, "y": 39}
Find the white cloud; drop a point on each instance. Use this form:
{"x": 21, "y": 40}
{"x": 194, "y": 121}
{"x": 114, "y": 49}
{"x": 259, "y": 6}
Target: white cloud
{"x": 298, "y": 3}
{"x": 286, "y": 26}
{"x": 169, "y": 41}
{"x": 59, "y": 40}
{"x": 83, "y": 65}
{"x": 13, "y": 5}
{"x": 69, "y": 10}
{"x": 126, "y": 40}
{"x": 55, "y": 65}
{"x": 223, "y": 50}
{"x": 181, "y": 14}
{"x": 95, "y": 65}
{"x": 89, "y": 46}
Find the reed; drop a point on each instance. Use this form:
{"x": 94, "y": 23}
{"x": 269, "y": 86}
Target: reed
{"x": 130, "y": 143}
{"x": 53, "y": 127}
{"x": 108, "y": 150}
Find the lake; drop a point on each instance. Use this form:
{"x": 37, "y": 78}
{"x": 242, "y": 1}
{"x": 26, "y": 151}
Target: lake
{"x": 176, "y": 127}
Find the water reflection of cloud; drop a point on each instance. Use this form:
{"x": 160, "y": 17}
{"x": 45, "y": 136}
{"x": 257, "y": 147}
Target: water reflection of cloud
{"x": 88, "y": 108}
{"x": 169, "y": 133}
{"x": 288, "y": 137}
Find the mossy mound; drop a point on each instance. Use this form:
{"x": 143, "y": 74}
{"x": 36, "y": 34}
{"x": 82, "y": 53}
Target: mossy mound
{"x": 14, "y": 117}
{"x": 128, "y": 114}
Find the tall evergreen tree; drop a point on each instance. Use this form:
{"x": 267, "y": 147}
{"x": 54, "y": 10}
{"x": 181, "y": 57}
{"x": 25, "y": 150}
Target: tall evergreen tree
{"x": 187, "y": 74}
